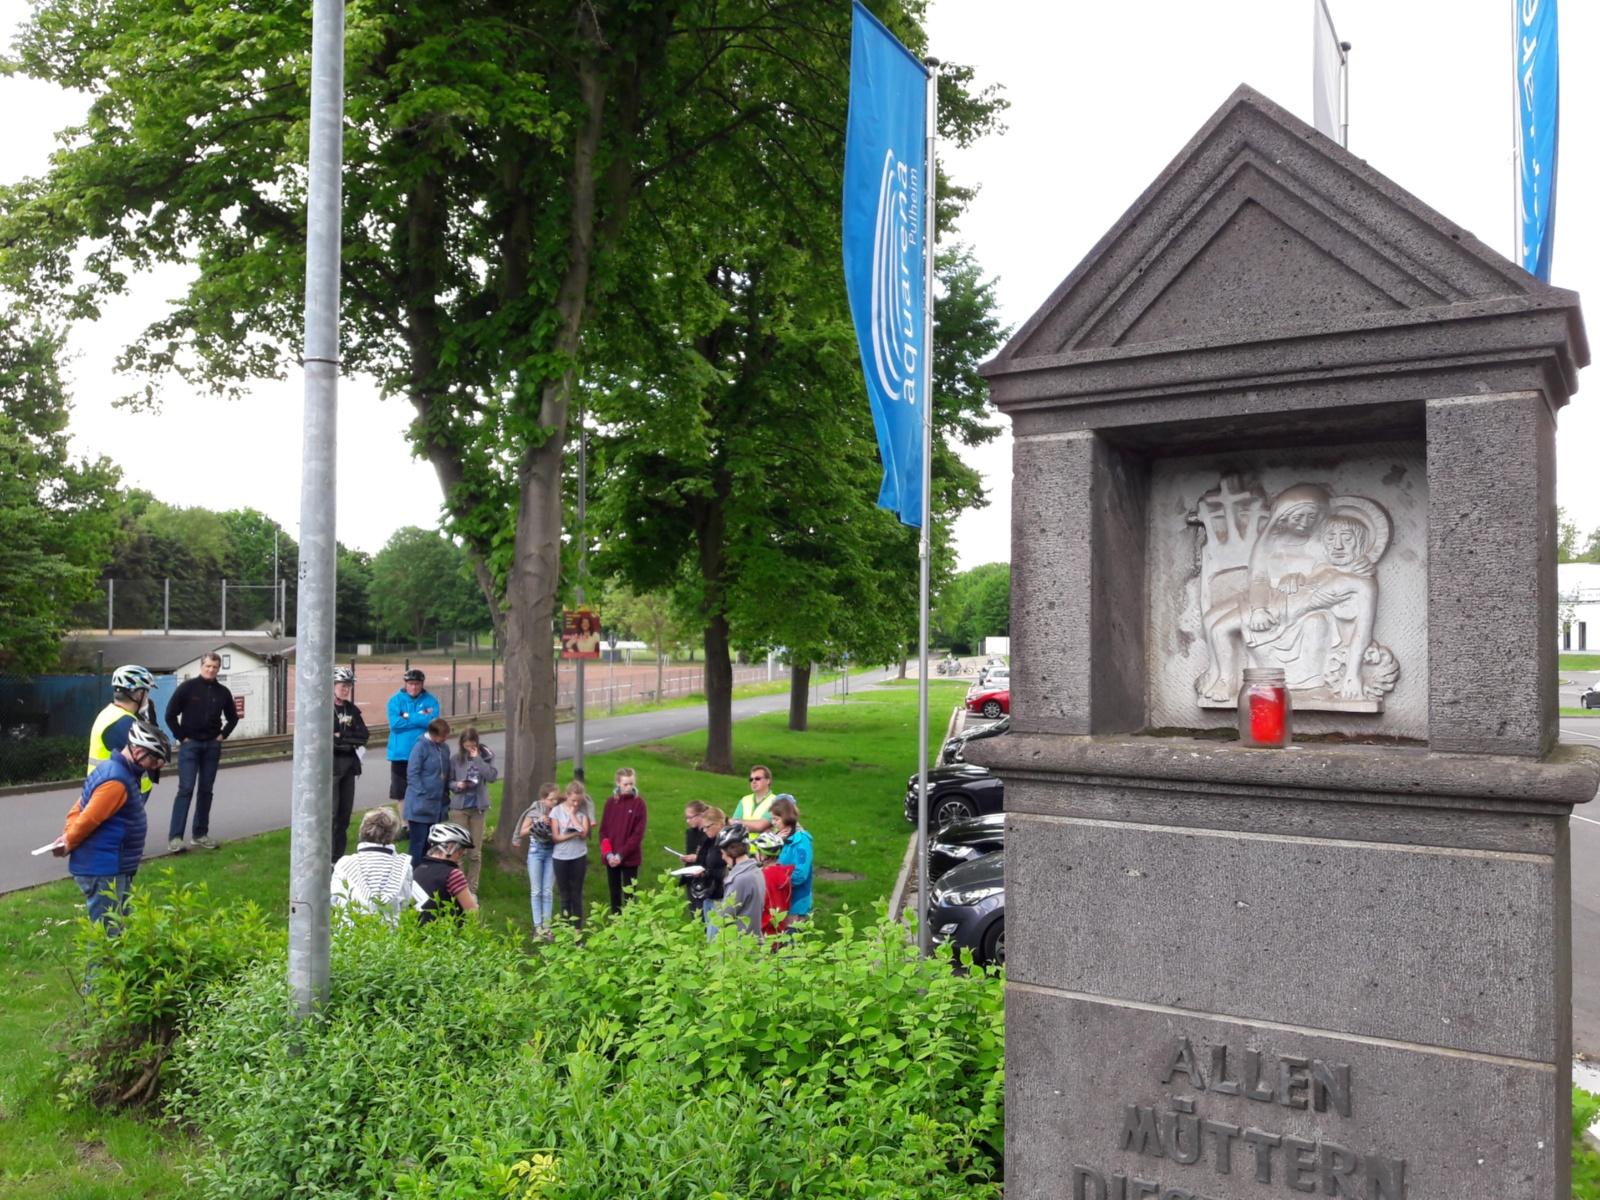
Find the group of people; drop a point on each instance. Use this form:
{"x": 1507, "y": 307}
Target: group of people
{"x": 751, "y": 871}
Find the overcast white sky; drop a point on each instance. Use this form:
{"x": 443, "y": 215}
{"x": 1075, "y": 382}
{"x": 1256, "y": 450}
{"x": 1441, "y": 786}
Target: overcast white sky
{"x": 1102, "y": 97}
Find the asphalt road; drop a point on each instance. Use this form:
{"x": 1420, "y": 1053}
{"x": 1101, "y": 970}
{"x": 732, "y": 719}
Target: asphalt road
{"x": 257, "y": 798}
{"x": 1584, "y": 731}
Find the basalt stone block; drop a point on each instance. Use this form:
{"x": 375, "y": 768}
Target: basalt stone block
{"x": 1116, "y": 1101}
{"x": 1363, "y": 938}
{"x": 1492, "y": 576}
{"x": 1078, "y": 501}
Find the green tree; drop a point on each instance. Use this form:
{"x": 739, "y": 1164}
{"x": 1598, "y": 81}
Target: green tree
{"x": 422, "y": 586}
{"x": 495, "y": 157}
{"x": 1568, "y": 546}
{"x": 57, "y": 514}
{"x": 168, "y": 567}
{"x": 353, "y": 616}
{"x": 252, "y": 565}
{"x": 974, "y": 605}
{"x": 648, "y": 617}
{"x": 740, "y": 440}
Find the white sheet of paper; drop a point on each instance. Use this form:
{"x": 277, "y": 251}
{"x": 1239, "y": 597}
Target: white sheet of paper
{"x": 688, "y": 871}
{"x": 46, "y": 848}
{"x": 361, "y": 753}
{"x": 678, "y": 854}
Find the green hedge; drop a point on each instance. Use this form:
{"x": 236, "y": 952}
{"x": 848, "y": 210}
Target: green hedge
{"x": 449, "y": 1064}
{"x": 41, "y": 760}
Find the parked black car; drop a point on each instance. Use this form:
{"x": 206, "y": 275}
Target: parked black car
{"x": 964, "y": 841}
{"x": 956, "y": 747}
{"x": 1590, "y": 697}
{"x": 956, "y": 793}
{"x": 968, "y": 907}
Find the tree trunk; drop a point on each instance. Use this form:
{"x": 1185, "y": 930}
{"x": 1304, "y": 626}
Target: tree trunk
{"x": 902, "y": 674}
{"x": 710, "y": 531}
{"x": 535, "y": 571}
{"x": 799, "y": 696}
{"x": 719, "y": 698}
{"x": 530, "y": 755}
{"x": 661, "y": 668}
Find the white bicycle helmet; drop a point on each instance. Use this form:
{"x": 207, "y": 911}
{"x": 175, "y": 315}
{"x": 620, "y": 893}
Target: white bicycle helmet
{"x": 343, "y": 675}
{"x": 448, "y": 833}
{"x": 131, "y": 678}
{"x": 145, "y": 736}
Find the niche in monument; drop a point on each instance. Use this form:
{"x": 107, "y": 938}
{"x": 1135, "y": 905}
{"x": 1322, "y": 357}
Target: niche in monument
{"x": 1314, "y": 562}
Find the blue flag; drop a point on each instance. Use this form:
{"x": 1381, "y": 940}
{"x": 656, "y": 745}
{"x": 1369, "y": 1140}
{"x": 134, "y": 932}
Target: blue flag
{"x": 1538, "y": 127}
{"x": 884, "y": 236}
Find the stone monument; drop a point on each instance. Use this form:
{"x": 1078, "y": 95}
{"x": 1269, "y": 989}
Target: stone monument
{"x": 1286, "y": 415}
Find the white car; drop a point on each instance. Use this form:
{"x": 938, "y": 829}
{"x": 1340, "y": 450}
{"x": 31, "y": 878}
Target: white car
{"x": 994, "y": 677}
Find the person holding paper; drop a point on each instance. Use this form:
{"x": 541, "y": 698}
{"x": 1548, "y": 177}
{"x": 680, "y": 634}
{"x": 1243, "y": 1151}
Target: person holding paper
{"x": 349, "y": 746}
{"x": 104, "y": 833}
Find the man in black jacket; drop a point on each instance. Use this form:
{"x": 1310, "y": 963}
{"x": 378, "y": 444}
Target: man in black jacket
{"x": 201, "y": 715}
{"x": 349, "y": 744}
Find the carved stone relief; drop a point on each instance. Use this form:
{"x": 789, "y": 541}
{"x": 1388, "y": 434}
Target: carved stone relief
{"x": 1291, "y": 581}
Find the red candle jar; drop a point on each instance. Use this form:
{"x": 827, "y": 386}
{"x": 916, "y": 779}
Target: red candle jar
{"x": 1264, "y": 716}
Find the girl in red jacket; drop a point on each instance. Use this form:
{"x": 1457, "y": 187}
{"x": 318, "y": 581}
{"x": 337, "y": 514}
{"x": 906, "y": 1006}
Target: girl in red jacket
{"x": 768, "y": 846}
{"x": 622, "y": 836}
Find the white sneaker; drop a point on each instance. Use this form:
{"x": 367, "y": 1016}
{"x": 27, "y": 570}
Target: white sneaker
{"x": 175, "y": 846}
{"x": 205, "y": 843}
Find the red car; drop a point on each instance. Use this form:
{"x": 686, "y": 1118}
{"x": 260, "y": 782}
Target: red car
{"x": 991, "y": 702}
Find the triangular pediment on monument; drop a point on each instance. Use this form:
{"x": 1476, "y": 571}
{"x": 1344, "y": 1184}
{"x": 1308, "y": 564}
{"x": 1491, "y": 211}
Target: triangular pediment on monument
{"x": 1261, "y": 230}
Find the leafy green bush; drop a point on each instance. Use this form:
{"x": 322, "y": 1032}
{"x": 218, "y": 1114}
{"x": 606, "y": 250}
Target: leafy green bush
{"x": 41, "y": 760}
{"x": 450, "y": 1065}
{"x": 1585, "y": 1162}
{"x": 146, "y": 982}
{"x": 1585, "y": 1108}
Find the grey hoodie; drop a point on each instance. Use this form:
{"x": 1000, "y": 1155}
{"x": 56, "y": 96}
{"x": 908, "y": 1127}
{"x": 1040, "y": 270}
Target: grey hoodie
{"x": 462, "y": 768}
{"x": 744, "y": 892}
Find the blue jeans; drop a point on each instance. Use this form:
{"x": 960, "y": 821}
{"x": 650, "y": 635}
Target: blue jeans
{"x": 106, "y": 896}
{"x": 541, "y": 882}
{"x": 419, "y": 839}
{"x": 197, "y": 763}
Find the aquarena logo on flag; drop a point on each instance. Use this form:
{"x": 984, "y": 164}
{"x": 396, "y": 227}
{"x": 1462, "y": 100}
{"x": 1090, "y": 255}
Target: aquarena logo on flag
{"x": 884, "y": 231}
{"x": 896, "y": 277}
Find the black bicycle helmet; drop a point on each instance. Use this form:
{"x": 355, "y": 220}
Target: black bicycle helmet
{"x": 734, "y": 836}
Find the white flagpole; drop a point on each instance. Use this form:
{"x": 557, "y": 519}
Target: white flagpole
{"x": 926, "y": 547}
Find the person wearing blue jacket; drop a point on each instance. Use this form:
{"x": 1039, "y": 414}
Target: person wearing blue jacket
{"x": 427, "y": 797}
{"x": 105, "y": 831}
{"x": 796, "y": 853}
{"x": 410, "y": 710}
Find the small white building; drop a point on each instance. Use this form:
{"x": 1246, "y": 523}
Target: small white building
{"x": 1578, "y": 606}
{"x": 254, "y": 667}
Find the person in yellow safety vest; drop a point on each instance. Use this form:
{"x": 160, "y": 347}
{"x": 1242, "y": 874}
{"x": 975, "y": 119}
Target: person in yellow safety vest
{"x": 130, "y": 691}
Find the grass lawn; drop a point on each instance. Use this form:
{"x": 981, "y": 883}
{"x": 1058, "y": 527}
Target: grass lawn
{"x": 1579, "y": 712}
{"x": 1580, "y": 662}
{"x": 848, "y": 773}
